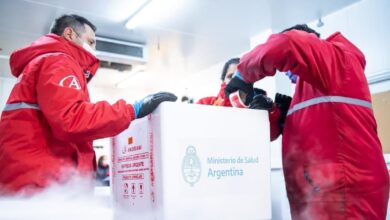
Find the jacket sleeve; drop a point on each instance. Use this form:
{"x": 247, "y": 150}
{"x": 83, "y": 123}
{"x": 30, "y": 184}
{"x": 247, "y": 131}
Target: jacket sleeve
{"x": 303, "y": 54}
{"x": 63, "y": 98}
{"x": 274, "y": 116}
{"x": 206, "y": 100}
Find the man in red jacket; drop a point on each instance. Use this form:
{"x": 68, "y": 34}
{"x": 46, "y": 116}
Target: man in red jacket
{"x": 332, "y": 157}
{"x": 49, "y": 123}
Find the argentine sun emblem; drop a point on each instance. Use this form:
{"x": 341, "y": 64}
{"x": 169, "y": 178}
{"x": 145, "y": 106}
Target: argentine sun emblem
{"x": 191, "y": 168}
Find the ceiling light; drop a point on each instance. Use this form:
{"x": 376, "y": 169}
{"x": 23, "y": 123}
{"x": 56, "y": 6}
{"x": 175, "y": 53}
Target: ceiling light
{"x": 5, "y": 57}
{"x": 320, "y": 23}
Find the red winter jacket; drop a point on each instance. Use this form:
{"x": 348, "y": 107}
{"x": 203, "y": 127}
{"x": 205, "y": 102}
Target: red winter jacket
{"x": 221, "y": 100}
{"x": 332, "y": 157}
{"x": 48, "y": 124}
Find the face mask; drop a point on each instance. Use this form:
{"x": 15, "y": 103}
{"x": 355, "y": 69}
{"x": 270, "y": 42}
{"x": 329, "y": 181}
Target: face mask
{"x": 89, "y": 49}
{"x": 86, "y": 46}
{"x": 292, "y": 76}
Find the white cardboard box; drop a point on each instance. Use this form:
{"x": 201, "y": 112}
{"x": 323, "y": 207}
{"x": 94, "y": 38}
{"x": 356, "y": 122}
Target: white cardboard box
{"x": 193, "y": 162}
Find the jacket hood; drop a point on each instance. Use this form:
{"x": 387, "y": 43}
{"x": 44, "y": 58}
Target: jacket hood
{"x": 52, "y": 43}
{"x": 339, "y": 40}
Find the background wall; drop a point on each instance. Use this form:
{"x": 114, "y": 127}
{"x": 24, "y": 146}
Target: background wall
{"x": 381, "y": 104}
{"x": 366, "y": 24}
{"x": 6, "y": 85}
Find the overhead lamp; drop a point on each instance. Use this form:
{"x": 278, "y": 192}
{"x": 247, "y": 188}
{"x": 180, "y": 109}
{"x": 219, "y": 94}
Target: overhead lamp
{"x": 136, "y": 18}
{"x": 320, "y": 23}
{"x": 5, "y": 57}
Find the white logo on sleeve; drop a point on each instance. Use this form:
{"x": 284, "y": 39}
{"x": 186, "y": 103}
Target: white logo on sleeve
{"x": 70, "y": 82}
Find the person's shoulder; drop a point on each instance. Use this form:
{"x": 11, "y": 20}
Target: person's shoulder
{"x": 55, "y": 58}
{"x": 299, "y": 35}
{"x": 207, "y": 100}
{"x": 51, "y": 63}
{"x": 338, "y": 40}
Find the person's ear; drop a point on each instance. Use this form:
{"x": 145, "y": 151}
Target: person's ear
{"x": 69, "y": 34}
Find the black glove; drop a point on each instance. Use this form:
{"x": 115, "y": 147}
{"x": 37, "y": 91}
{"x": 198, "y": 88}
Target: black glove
{"x": 261, "y": 102}
{"x": 258, "y": 91}
{"x": 238, "y": 84}
{"x": 148, "y": 104}
{"x": 283, "y": 103}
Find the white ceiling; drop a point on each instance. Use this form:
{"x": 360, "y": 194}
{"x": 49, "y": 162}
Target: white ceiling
{"x": 183, "y": 37}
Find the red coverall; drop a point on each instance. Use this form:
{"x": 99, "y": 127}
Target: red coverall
{"x": 332, "y": 157}
{"x": 48, "y": 124}
{"x": 221, "y": 100}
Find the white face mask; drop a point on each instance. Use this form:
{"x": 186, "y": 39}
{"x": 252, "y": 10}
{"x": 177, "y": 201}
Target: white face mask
{"x": 89, "y": 49}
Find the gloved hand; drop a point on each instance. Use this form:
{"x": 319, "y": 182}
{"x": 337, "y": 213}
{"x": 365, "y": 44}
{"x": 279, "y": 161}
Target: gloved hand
{"x": 261, "y": 102}
{"x": 148, "y": 104}
{"x": 258, "y": 91}
{"x": 293, "y": 78}
{"x": 283, "y": 103}
{"x": 237, "y": 83}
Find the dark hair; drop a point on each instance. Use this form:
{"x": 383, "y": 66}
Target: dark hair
{"x": 74, "y": 21}
{"x": 101, "y": 158}
{"x": 302, "y": 27}
{"x": 226, "y": 66}
{"x": 184, "y": 98}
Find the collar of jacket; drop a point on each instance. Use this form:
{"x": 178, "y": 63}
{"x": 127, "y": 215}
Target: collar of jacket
{"x": 52, "y": 43}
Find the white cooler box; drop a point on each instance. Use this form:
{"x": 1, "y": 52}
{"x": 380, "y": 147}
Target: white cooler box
{"x": 189, "y": 161}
